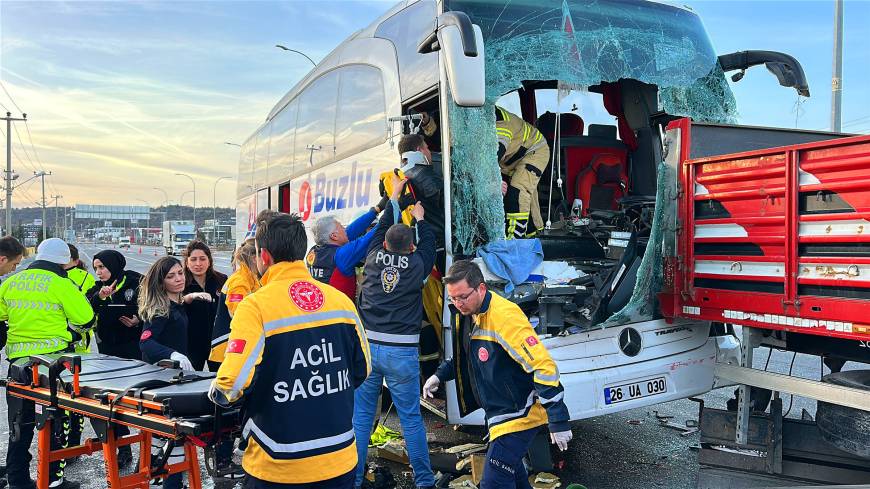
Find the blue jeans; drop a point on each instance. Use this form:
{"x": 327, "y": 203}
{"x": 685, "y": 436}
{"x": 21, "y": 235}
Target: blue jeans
{"x": 400, "y": 367}
{"x": 504, "y": 467}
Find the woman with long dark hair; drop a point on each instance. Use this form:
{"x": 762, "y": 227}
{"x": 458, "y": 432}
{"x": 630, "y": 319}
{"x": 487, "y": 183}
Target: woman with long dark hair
{"x": 201, "y": 294}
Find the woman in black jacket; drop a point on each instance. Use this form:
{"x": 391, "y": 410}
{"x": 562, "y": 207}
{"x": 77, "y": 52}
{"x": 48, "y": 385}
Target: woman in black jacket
{"x": 114, "y": 298}
{"x": 164, "y": 335}
{"x": 201, "y": 293}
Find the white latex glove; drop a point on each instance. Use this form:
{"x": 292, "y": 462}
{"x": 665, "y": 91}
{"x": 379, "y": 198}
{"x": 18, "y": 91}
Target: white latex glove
{"x": 197, "y": 296}
{"x": 182, "y": 360}
{"x": 561, "y": 439}
{"x": 431, "y": 386}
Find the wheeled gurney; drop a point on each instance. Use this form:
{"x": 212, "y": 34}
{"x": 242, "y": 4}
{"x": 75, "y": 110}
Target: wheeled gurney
{"x": 156, "y": 400}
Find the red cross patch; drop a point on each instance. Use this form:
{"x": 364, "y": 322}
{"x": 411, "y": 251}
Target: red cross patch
{"x": 145, "y": 335}
{"x": 531, "y": 341}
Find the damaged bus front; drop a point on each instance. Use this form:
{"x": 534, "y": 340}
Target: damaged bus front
{"x": 608, "y": 195}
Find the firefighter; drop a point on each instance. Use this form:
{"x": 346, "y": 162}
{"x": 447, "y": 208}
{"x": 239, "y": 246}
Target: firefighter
{"x": 337, "y": 249}
{"x": 38, "y": 303}
{"x": 391, "y": 307}
{"x": 503, "y": 364}
{"x": 296, "y": 352}
{"x": 523, "y": 156}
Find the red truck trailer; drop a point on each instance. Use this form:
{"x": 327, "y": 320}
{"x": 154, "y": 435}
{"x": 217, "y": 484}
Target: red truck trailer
{"x": 773, "y": 235}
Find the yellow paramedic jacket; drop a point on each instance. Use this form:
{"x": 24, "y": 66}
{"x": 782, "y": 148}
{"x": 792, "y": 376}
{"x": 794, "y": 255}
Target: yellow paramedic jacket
{"x": 507, "y": 369}
{"x": 241, "y": 283}
{"x": 296, "y": 352}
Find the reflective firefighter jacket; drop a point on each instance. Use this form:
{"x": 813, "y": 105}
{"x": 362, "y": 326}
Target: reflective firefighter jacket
{"x": 296, "y": 353}
{"x": 37, "y": 303}
{"x": 516, "y": 137}
{"x": 241, "y": 283}
{"x": 391, "y": 302}
{"x": 503, "y": 367}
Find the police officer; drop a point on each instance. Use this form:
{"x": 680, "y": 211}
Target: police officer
{"x": 503, "y": 367}
{"x": 337, "y": 249}
{"x": 391, "y": 307}
{"x": 38, "y": 303}
{"x": 296, "y": 352}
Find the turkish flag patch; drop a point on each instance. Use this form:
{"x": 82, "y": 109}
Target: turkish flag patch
{"x": 145, "y": 335}
{"x": 236, "y": 297}
{"x": 236, "y": 346}
{"x": 531, "y": 341}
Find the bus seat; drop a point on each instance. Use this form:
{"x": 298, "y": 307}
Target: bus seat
{"x": 602, "y": 131}
{"x": 569, "y": 125}
{"x": 601, "y": 184}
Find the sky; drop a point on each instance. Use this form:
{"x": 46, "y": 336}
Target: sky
{"x": 122, "y": 95}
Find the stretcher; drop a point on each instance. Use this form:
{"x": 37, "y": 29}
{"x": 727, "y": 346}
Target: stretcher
{"x": 155, "y": 400}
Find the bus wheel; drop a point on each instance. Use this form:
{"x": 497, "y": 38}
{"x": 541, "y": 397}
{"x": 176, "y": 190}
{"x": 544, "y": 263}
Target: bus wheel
{"x": 846, "y": 428}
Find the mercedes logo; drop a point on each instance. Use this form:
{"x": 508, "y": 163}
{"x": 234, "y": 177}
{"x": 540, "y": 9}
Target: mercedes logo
{"x": 630, "y": 341}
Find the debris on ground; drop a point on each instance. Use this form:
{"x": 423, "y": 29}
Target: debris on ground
{"x": 545, "y": 480}
{"x": 464, "y": 482}
{"x": 378, "y": 477}
{"x": 690, "y": 428}
{"x": 393, "y": 450}
{"x": 466, "y": 449}
{"x": 382, "y": 435}
{"x": 635, "y": 421}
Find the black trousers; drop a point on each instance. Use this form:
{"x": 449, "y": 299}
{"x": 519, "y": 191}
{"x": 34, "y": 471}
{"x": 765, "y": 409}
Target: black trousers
{"x": 22, "y": 423}
{"x": 341, "y": 482}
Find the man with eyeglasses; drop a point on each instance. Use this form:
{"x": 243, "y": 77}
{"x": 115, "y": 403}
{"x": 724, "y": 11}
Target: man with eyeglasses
{"x": 503, "y": 367}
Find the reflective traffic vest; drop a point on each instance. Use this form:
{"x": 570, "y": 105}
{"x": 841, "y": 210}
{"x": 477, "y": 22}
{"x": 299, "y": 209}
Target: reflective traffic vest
{"x": 37, "y": 303}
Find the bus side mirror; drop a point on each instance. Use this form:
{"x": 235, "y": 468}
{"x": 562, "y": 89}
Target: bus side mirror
{"x": 461, "y": 43}
{"x": 787, "y": 70}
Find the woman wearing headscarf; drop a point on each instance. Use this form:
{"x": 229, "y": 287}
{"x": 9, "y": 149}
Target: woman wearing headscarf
{"x": 201, "y": 294}
{"x": 114, "y": 298}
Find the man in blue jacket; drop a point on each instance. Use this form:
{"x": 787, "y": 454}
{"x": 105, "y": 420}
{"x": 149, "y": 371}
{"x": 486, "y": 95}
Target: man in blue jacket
{"x": 337, "y": 249}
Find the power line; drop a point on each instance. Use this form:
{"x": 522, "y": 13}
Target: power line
{"x": 10, "y": 98}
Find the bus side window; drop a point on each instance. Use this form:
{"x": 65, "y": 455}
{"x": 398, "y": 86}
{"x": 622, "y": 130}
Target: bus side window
{"x": 315, "y": 125}
{"x": 361, "y": 121}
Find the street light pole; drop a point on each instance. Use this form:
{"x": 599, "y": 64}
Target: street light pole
{"x": 194, "y": 197}
{"x": 42, "y": 174}
{"x": 181, "y": 203}
{"x": 214, "y": 207}
{"x": 56, "y": 220}
{"x": 285, "y": 48}
{"x": 8, "y": 176}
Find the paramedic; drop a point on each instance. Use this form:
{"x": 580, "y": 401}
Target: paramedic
{"x": 509, "y": 368}
{"x": 296, "y": 352}
{"x": 523, "y": 156}
{"x": 38, "y": 303}
{"x": 337, "y": 249}
{"x": 391, "y": 307}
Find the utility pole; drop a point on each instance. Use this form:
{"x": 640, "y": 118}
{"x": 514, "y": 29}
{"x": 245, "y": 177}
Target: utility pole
{"x": 56, "y": 219}
{"x": 8, "y": 176}
{"x": 837, "y": 77}
{"x": 42, "y": 174}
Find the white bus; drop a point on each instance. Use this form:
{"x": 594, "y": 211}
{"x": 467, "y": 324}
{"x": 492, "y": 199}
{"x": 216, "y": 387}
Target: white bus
{"x": 634, "y": 65}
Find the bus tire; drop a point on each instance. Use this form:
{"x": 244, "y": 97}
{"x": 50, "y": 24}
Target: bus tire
{"x": 843, "y": 427}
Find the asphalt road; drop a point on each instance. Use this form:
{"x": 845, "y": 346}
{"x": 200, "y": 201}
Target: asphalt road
{"x": 621, "y": 451}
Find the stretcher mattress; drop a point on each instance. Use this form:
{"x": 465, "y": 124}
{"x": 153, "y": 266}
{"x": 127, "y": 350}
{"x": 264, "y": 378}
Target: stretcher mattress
{"x": 100, "y": 374}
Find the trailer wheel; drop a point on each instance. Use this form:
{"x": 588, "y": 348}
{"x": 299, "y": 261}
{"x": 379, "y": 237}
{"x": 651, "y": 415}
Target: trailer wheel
{"x": 846, "y": 428}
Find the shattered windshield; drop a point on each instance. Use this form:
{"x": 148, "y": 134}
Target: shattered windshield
{"x": 579, "y": 44}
